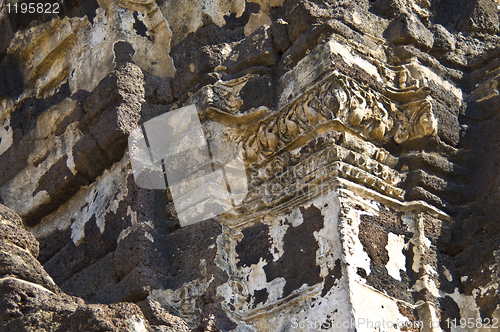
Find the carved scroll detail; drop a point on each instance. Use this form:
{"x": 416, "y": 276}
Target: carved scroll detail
{"x": 185, "y": 300}
{"x": 225, "y": 95}
{"x": 339, "y": 98}
{"x": 280, "y": 182}
{"x": 416, "y": 117}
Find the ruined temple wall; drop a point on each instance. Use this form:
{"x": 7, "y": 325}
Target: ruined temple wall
{"x": 363, "y": 125}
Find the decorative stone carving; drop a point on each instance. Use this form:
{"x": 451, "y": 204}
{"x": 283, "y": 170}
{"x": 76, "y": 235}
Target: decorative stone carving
{"x": 225, "y": 95}
{"x": 412, "y": 97}
{"x": 311, "y": 176}
{"x": 184, "y": 301}
{"x": 354, "y": 136}
{"x": 338, "y": 99}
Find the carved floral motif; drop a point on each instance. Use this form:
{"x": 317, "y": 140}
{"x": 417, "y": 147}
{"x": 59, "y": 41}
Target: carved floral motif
{"x": 339, "y": 98}
{"x": 311, "y": 175}
{"x": 185, "y": 301}
{"x": 225, "y": 95}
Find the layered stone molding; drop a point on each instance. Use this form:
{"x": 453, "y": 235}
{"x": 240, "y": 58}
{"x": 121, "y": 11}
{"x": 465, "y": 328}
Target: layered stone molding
{"x": 368, "y": 129}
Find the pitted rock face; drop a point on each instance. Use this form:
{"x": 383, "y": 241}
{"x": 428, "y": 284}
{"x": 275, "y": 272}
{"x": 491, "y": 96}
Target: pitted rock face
{"x": 32, "y": 301}
{"x": 369, "y": 133}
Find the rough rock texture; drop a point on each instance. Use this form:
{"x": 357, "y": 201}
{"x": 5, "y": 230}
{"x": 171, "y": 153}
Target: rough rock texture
{"x": 370, "y": 134}
{"x": 31, "y": 301}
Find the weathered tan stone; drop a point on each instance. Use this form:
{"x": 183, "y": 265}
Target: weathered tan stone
{"x": 368, "y": 129}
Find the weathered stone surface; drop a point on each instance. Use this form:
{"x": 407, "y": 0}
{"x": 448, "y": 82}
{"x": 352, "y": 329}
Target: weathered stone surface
{"x": 160, "y": 319}
{"x": 409, "y": 30}
{"x": 31, "y": 301}
{"x": 369, "y": 130}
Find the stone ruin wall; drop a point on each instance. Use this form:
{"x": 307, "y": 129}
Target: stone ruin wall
{"x": 369, "y": 128}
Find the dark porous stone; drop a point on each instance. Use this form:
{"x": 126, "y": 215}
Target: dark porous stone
{"x": 60, "y": 184}
{"x": 279, "y": 32}
{"x": 68, "y": 261}
{"x": 214, "y": 319}
{"x": 297, "y": 265}
{"x": 331, "y": 279}
{"x": 255, "y": 245}
{"x": 449, "y": 312}
{"x": 443, "y": 39}
{"x": 373, "y": 234}
{"x": 408, "y": 30}
{"x": 8, "y": 216}
{"x": 157, "y": 315}
{"x": 30, "y": 301}
{"x": 301, "y": 16}
{"x": 258, "y": 91}
{"x": 138, "y": 249}
{"x": 255, "y": 50}
{"x": 90, "y": 160}
{"x": 19, "y": 237}
{"x": 158, "y": 90}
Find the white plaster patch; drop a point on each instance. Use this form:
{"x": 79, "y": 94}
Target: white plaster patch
{"x": 296, "y": 218}
{"x": 226, "y": 50}
{"x": 308, "y": 313}
{"x": 397, "y": 260}
{"x": 123, "y": 234}
{"x": 256, "y": 276}
{"x": 275, "y": 289}
{"x": 426, "y": 283}
{"x": 305, "y": 303}
{"x": 70, "y": 163}
{"x": 409, "y": 221}
{"x": 203, "y": 267}
{"x": 99, "y": 28}
{"x": 145, "y": 49}
{"x": 132, "y": 214}
{"x": 355, "y": 255}
{"x": 92, "y": 57}
{"x": 370, "y": 305}
{"x": 468, "y": 309}
{"x": 136, "y": 324}
{"x": 102, "y": 197}
{"x": 351, "y": 59}
{"x": 330, "y": 248}
{"x": 149, "y": 237}
{"x": 421, "y": 243}
{"x": 98, "y": 199}
{"x": 6, "y": 137}
{"x": 356, "y": 18}
{"x": 225, "y": 291}
{"x": 277, "y": 232}
{"x": 447, "y": 274}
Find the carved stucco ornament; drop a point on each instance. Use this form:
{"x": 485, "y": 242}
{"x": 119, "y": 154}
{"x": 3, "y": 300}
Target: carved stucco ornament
{"x": 328, "y": 139}
{"x": 339, "y": 99}
{"x": 411, "y": 102}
